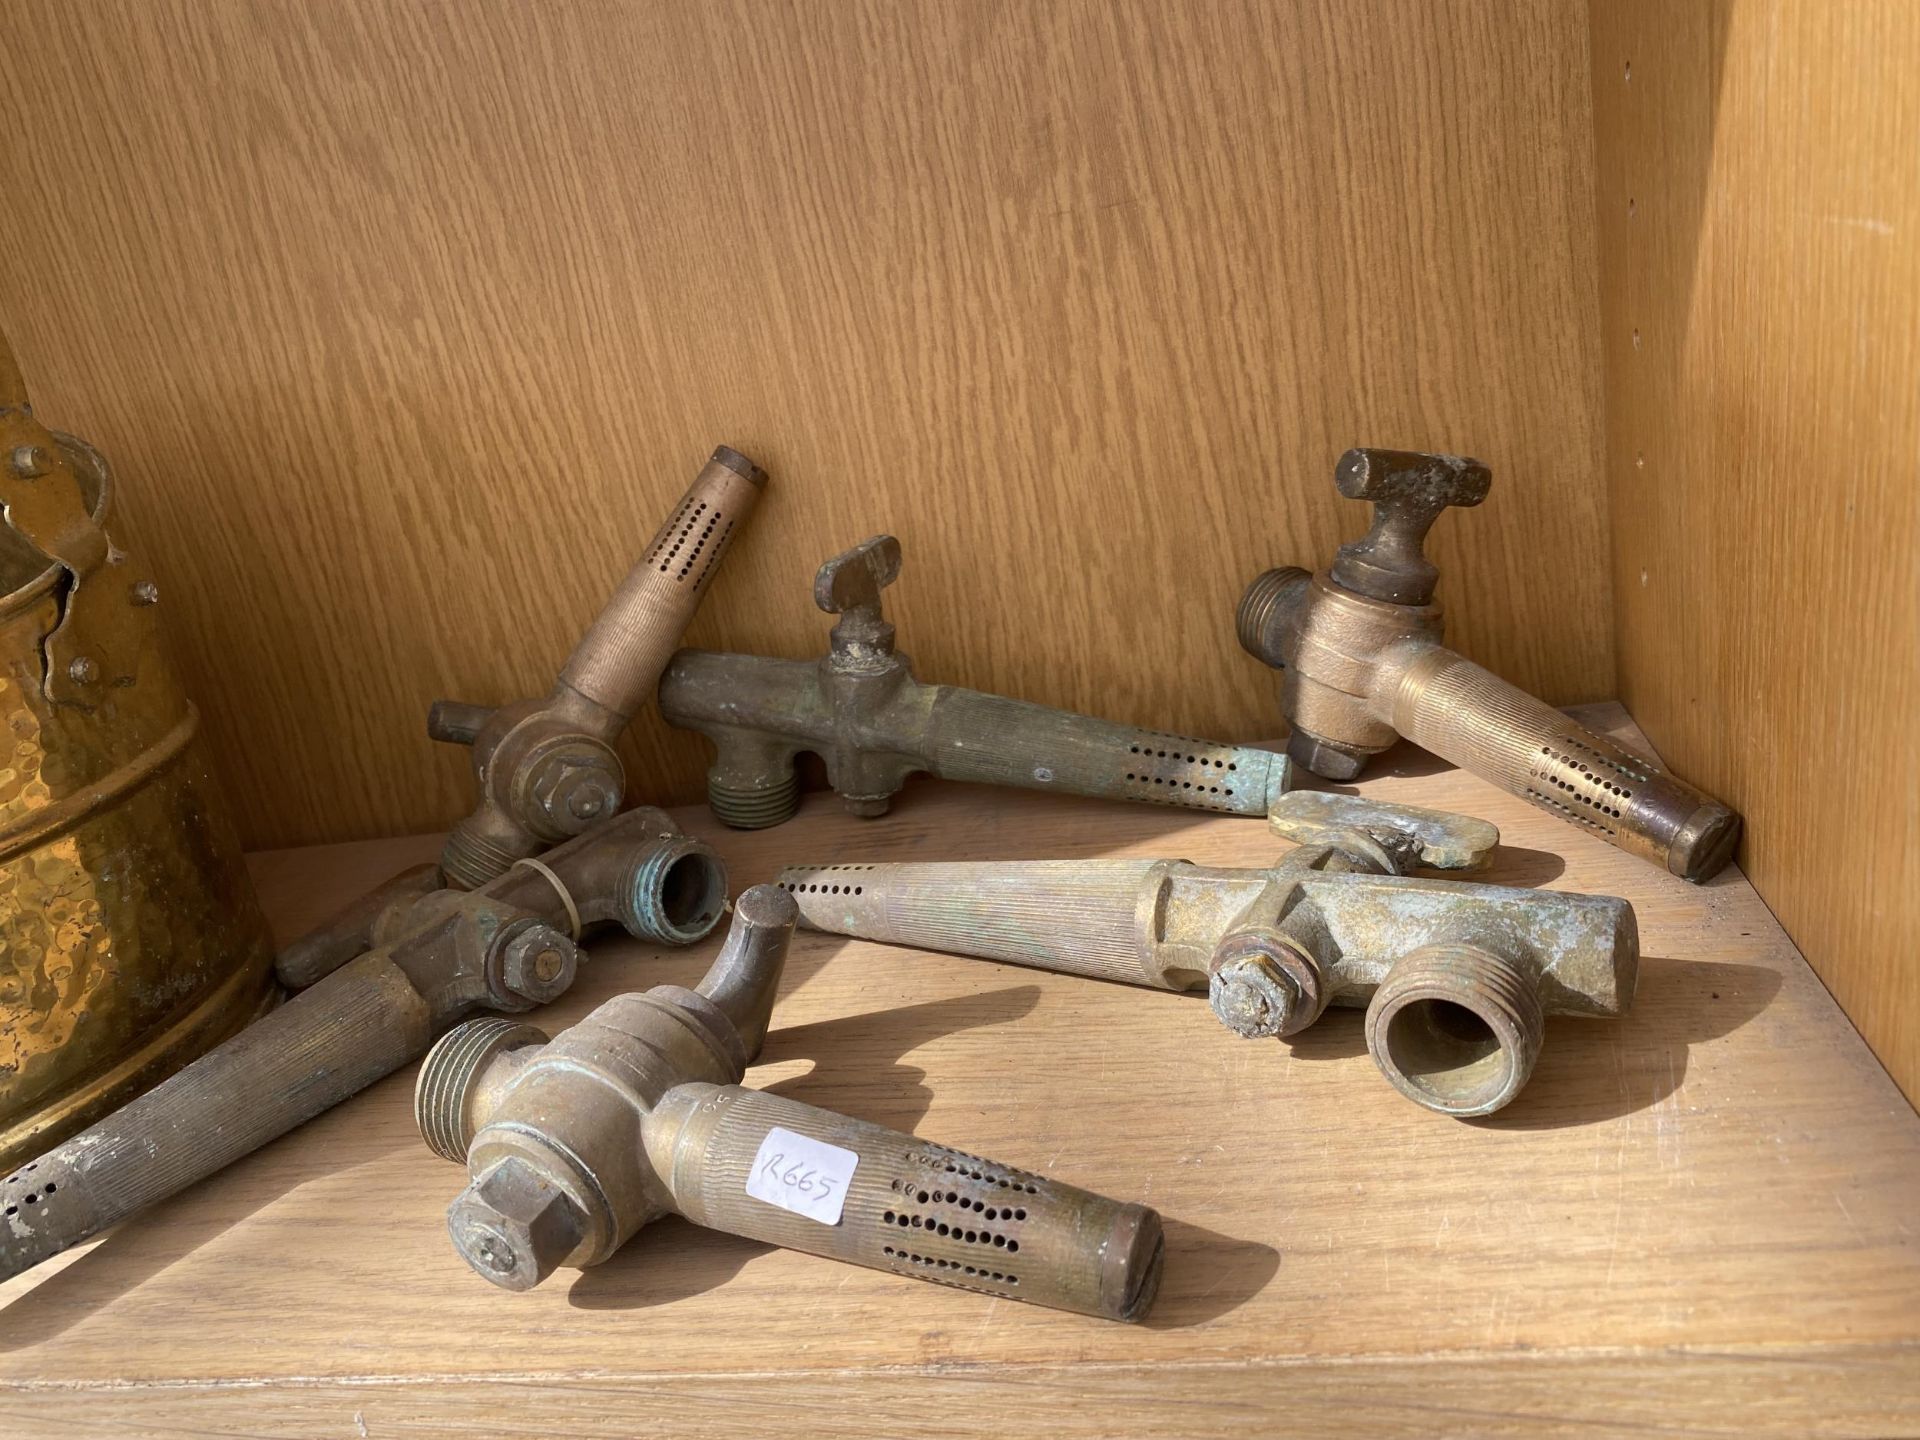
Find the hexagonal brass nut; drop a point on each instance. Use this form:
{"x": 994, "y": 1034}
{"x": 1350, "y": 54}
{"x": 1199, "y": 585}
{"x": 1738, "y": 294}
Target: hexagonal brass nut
{"x": 538, "y": 964}
{"x": 514, "y": 1226}
{"x": 573, "y": 790}
{"x": 1252, "y": 997}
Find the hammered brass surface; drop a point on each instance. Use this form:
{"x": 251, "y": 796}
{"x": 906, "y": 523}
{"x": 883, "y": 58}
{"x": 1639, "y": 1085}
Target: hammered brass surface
{"x": 116, "y": 937}
{"x": 129, "y": 937}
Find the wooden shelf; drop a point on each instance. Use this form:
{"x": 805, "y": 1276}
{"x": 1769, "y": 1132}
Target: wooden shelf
{"x": 1700, "y": 1220}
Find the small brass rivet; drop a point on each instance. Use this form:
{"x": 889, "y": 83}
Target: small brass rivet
{"x": 145, "y": 592}
{"x": 30, "y": 461}
{"x": 84, "y": 670}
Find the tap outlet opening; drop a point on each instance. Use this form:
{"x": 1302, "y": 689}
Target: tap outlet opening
{"x": 1140, "y": 1247}
{"x": 687, "y": 895}
{"x": 1705, "y": 844}
{"x": 679, "y": 893}
{"x": 1456, "y": 1029}
{"x": 1443, "y": 1046}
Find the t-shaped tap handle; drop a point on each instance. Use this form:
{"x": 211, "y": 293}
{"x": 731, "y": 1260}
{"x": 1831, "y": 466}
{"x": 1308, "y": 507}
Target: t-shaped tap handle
{"x": 1408, "y": 489}
{"x": 849, "y": 586}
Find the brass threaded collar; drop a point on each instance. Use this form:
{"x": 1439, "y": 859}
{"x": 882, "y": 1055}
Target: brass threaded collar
{"x": 757, "y": 807}
{"x": 469, "y": 859}
{"x": 447, "y": 1074}
{"x": 1456, "y": 1028}
{"x": 1253, "y": 618}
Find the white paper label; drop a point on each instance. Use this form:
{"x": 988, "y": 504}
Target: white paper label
{"x": 801, "y": 1174}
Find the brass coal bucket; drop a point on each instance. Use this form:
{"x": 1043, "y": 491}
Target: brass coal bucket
{"x": 130, "y": 940}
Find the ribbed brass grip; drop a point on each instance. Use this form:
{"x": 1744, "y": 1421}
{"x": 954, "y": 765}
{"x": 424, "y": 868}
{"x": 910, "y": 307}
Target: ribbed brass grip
{"x": 991, "y": 740}
{"x": 918, "y": 1209}
{"x": 1071, "y": 916}
{"x": 618, "y": 662}
{"x": 357, "y": 1025}
{"x": 1449, "y": 705}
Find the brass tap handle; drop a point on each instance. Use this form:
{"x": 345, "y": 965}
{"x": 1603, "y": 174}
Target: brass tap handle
{"x": 1396, "y": 838}
{"x": 455, "y": 722}
{"x": 849, "y": 586}
{"x": 1408, "y": 489}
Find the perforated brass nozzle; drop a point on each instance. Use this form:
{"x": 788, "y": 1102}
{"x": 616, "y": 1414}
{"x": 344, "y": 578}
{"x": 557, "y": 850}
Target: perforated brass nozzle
{"x": 546, "y": 769}
{"x": 1362, "y": 666}
{"x": 636, "y": 1112}
{"x": 861, "y": 709}
{"x": 1456, "y": 978}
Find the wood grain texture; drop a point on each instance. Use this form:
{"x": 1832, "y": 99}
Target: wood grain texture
{"x": 404, "y": 323}
{"x": 1697, "y": 1220}
{"x": 1759, "y": 185}
{"x": 1864, "y": 1391}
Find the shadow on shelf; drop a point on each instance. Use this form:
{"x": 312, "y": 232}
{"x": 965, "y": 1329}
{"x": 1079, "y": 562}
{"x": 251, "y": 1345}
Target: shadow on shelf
{"x": 857, "y": 1067}
{"x": 150, "y": 1241}
{"x": 1595, "y": 1070}
{"x": 1513, "y": 865}
{"x": 671, "y": 1259}
{"x": 1339, "y": 1034}
{"x": 1592, "y": 1070}
{"x": 1403, "y": 760}
{"x": 1208, "y": 1275}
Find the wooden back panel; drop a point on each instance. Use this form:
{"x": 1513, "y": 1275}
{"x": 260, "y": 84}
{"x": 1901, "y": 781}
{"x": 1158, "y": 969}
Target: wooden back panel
{"x": 405, "y": 323}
